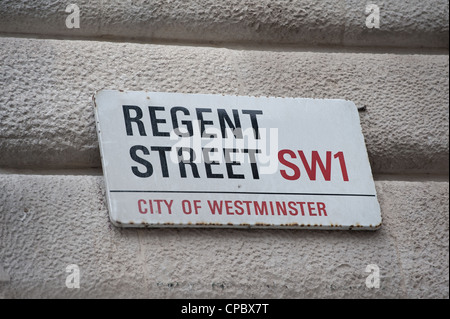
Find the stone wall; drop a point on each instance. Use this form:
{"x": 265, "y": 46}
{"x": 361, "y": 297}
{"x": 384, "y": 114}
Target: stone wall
{"x": 52, "y": 198}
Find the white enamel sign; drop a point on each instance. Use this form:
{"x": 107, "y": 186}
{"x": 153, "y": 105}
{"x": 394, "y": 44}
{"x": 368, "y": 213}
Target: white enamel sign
{"x": 193, "y": 160}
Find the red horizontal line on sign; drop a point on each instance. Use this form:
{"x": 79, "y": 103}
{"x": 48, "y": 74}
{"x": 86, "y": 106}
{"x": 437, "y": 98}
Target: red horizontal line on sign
{"x": 243, "y": 193}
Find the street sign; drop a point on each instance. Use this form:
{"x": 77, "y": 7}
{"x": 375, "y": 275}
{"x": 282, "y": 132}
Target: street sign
{"x": 196, "y": 160}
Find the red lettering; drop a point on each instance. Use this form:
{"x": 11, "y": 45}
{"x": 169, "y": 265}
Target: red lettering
{"x": 228, "y": 207}
{"x": 311, "y": 166}
{"x": 197, "y": 206}
{"x": 321, "y": 209}
{"x": 169, "y": 206}
{"x": 158, "y": 203}
{"x": 239, "y": 210}
{"x": 316, "y": 160}
{"x": 293, "y": 210}
{"x": 301, "y": 207}
{"x": 292, "y": 166}
{"x": 261, "y": 209}
{"x": 281, "y": 207}
{"x": 186, "y": 205}
{"x": 340, "y": 155}
{"x": 310, "y": 209}
{"x": 247, "y": 203}
{"x": 215, "y": 207}
{"x": 271, "y": 208}
{"x": 143, "y": 202}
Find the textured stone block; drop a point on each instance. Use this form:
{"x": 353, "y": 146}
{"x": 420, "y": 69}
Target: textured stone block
{"x": 47, "y": 118}
{"x": 50, "y": 222}
{"x": 305, "y": 22}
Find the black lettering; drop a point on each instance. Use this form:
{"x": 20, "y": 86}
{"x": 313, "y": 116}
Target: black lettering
{"x": 229, "y": 163}
{"x": 236, "y": 126}
{"x": 209, "y": 163}
{"x": 203, "y": 122}
{"x": 182, "y": 162}
{"x": 254, "y": 120}
{"x": 137, "y": 119}
{"x": 162, "y": 157}
{"x": 136, "y": 158}
{"x": 188, "y": 124}
{"x": 251, "y": 154}
{"x": 155, "y": 121}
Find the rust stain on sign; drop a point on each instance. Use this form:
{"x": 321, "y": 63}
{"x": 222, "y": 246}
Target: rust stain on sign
{"x": 195, "y": 160}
